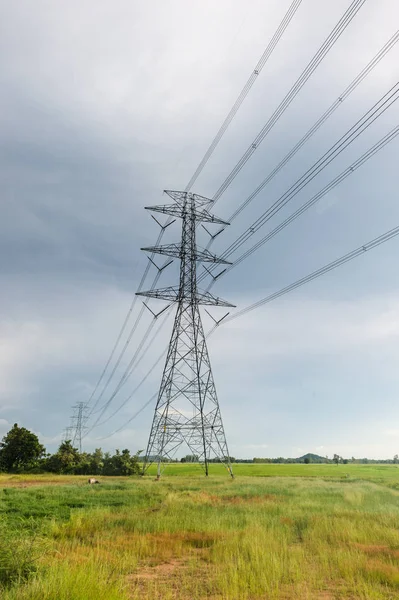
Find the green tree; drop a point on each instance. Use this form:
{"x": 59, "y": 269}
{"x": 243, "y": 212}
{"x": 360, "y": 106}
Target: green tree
{"x": 96, "y": 462}
{"x": 121, "y": 463}
{"x": 20, "y": 449}
{"x": 65, "y": 460}
{"x": 83, "y": 465}
{"x": 190, "y": 458}
{"x": 336, "y": 459}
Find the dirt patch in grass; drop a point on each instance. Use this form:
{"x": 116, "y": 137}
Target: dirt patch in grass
{"x": 375, "y": 550}
{"x": 27, "y": 483}
{"x": 286, "y": 520}
{"x": 179, "y": 564}
{"x": 331, "y": 595}
{"x": 238, "y": 500}
{"x": 182, "y": 578}
{"x": 190, "y": 539}
{"x": 384, "y": 573}
{"x": 164, "y": 570}
{"x": 332, "y": 591}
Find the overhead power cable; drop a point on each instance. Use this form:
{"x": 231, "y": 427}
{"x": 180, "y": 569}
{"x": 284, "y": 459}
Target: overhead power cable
{"x": 352, "y": 134}
{"x": 127, "y": 373}
{"x": 136, "y": 389}
{"x": 336, "y": 181}
{"x": 336, "y": 104}
{"x": 136, "y": 414}
{"x": 308, "y": 71}
{"x": 351, "y": 169}
{"x": 385, "y": 237}
{"x": 319, "y": 56}
{"x": 175, "y": 395}
{"x": 239, "y": 101}
{"x": 127, "y": 342}
{"x": 143, "y": 380}
{"x": 118, "y": 339}
{"x": 245, "y": 90}
{"x": 364, "y": 74}
{"x": 135, "y": 360}
{"x": 125, "y": 346}
{"x": 303, "y": 78}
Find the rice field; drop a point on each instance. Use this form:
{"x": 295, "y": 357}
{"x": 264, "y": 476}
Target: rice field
{"x": 274, "y": 532}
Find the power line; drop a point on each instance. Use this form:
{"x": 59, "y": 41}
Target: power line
{"x": 335, "y": 34}
{"x": 239, "y": 101}
{"x": 245, "y": 90}
{"x": 353, "y": 133}
{"x": 116, "y": 411}
{"x": 308, "y": 71}
{"x": 336, "y": 104}
{"x": 116, "y": 344}
{"x": 385, "y": 237}
{"x": 127, "y": 373}
{"x": 295, "y": 89}
{"x": 336, "y": 181}
{"x": 327, "y": 45}
{"x": 153, "y": 397}
{"x": 125, "y": 346}
{"x": 348, "y": 171}
{"x": 363, "y": 75}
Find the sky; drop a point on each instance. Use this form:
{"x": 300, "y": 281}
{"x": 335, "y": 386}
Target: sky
{"x": 104, "y": 105}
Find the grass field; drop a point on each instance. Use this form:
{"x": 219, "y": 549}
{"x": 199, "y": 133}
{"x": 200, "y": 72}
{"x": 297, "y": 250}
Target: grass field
{"x": 276, "y": 531}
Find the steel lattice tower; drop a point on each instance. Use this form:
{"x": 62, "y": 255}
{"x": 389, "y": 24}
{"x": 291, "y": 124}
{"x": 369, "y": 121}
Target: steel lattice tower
{"x": 187, "y": 409}
{"x": 67, "y": 435}
{"x": 78, "y": 420}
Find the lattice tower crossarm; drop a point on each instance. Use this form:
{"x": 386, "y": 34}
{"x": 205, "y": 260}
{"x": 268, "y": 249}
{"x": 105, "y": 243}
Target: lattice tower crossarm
{"x": 187, "y": 410}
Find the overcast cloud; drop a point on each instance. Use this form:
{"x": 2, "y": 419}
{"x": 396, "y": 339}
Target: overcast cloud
{"x": 105, "y": 104}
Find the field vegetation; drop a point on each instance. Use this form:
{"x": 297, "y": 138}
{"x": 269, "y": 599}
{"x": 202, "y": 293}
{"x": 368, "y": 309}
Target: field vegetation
{"x": 275, "y": 532}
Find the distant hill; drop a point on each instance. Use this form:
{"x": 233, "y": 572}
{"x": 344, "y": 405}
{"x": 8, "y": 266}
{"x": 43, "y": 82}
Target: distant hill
{"x": 314, "y": 458}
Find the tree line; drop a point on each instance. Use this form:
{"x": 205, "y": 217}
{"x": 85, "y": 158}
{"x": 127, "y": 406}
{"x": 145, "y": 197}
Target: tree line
{"x": 21, "y": 451}
{"x": 336, "y": 459}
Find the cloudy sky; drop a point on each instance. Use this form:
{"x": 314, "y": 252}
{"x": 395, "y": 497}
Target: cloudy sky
{"x": 105, "y": 104}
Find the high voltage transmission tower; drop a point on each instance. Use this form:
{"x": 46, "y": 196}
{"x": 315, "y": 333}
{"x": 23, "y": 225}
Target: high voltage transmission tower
{"x": 187, "y": 409}
{"x": 78, "y": 423}
{"x": 67, "y": 434}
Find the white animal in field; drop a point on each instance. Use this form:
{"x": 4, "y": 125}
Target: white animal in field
{"x": 93, "y": 480}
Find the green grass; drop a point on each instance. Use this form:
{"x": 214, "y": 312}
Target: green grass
{"x": 292, "y": 531}
{"x": 375, "y": 472}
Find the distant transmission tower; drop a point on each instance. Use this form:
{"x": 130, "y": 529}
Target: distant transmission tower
{"x": 67, "y": 435}
{"x": 187, "y": 409}
{"x": 78, "y": 421}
